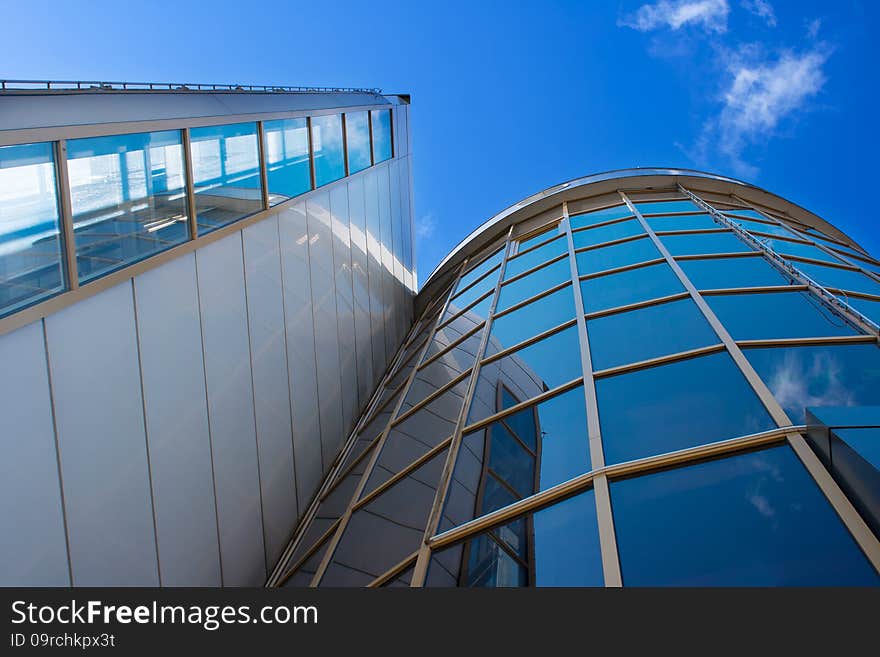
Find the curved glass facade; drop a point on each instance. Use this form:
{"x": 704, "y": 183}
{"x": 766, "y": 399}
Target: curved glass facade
{"x": 617, "y": 396}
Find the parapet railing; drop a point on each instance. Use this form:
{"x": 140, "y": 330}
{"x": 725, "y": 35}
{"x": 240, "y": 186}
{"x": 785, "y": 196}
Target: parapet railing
{"x": 99, "y": 85}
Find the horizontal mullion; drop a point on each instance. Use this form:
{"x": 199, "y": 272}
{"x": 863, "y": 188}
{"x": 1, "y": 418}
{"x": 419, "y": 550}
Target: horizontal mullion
{"x": 467, "y": 309}
{"x": 434, "y": 395}
{"x": 452, "y": 345}
{"x": 546, "y": 263}
{"x": 601, "y": 224}
{"x": 342, "y": 475}
{"x": 693, "y": 231}
{"x": 394, "y": 571}
{"x": 620, "y": 240}
{"x": 660, "y": 360}
{"x": 814, "y": 261}
{"x": 623, "y": 268}
{"x": 526, "y": 302}
{"x": 718, "y": 256}
{"x": 754, "y": 290}
{"x": 525, "y": 343}
{"x": 796, "y": 342}
{"x": 476, "y": 282}
{"x": 539, "y": 244}
{"x": 857, "y": 295}
{"x": 638, "y": 304}
{"x": 308, "y": 553}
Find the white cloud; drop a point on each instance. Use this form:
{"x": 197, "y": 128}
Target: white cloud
{"x": 762, "y": 9}
{"x": 710, "y": 15}
{"x": 425, "y": 227}
{"x": 813, "y": 28}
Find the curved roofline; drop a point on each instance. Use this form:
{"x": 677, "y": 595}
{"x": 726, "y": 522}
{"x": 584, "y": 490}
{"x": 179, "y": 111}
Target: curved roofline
{"x": 585, "y": 181}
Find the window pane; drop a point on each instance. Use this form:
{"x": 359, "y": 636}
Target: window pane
{"x": 754, "y": 519}
{"x": 535, "y": 283}
{"x": 786, "y": 247}
{"x": 466, "y": 297}
{"x": 287, "y": 158}
{"x": 327, "y": 148}
{"x": 30, "y": 251}
{"x": 667, "y": 206}
{"x": 675, "y": 406}
{"x": 520, "y": 263}
{"x": 618, "y": 255}
{"x": 226, "y": 174}
{"x": 776, "y": 315}
{"x": 127, "y": 197}
{"x": 594, "y": 236}
{"x": 757, "y": 227}
{"x": 557, "y": 546}
{"x": 826, "y": 375}
{"x": 357, "y": 140}
{"x": 723, "y": 273}
{"x": 699, "y": 243}
{"x": 749, "y": 214}
{"x": 869, "y": 308}
{"x": 538, "y": 239}
{"x": 683, "y": 222}
{"x": 537, "y": 317}
{"x": 527, "y": 372}
{"x": 629, "y": 286}
{"x": 845, "y": 279}
{"x": 599, "y": 216}
{"x": 381, "y": 121}
{"x": 480, "y": 270}
{"x": 476, "y": 312}
{"x": 648, "y": 333}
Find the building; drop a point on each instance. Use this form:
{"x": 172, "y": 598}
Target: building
{"x": 644, "y": 377}
{"x": 200, "y": 286}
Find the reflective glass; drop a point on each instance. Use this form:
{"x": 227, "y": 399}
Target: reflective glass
{"x": 480, "y": 270}
{"x": 557, "y": 546}
{"x": 466, "y": 297}
{"x": 303, "y": 576}
{"x": 538, "y": 239}
{"x": 753, "y": 519}
{"x": 476, "y": 312}
{"x": 617, "y": 255}
{"x": 327, "y": 148}
{"x": 786, "y": 247}
{"x": 724, "y": 273}
{"x": 127, "y": 197}
{"x": 226, "y": 174}
{"x": 357, "y": 140}
{"x": 537, "y": 317}
{"x": 823, "y": 375}
{"x": 749, "y": 214}
{"x": 683, "y": 222}
{"x": 675, "y": 406}
{"x": 869, "y": 308}
{"x": 288, "y": 170}
{"x": 865, "y": 441}
{"x": 667, "y": 206}
{"x": 646, "y": 333}
{"x": 845, "y": 279}
{"x": 699, "y": 243}
{"x": 776, "y": 315}
{"x": 538, "y": 281}
{"x": 528, "y": 372}
{"x": 757, "y": 227}
{"x": 30, "y": 250}
{"x": 380, "y": 120}
{"x": 607, "y": 233}
{"x": 599, "y": 216}
{"x": 525, "y": 261}
{"x": 630, "y": 286}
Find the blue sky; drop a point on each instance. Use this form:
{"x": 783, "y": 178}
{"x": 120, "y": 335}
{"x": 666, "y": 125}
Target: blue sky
{"x": 510, "y": 98}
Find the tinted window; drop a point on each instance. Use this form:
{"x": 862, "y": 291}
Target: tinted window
{"x": 684, "y": 222}
{"x": 723, "y": 273}
{"x": 357, "y": 140}
{"x": 599, "y": 216}
{"x": 786, "y": 247}
{"x": 537, "y": 317}
{"x": 699, "y": 243}
{"x": 535, "y": 257}
{"x": 528, "y": 286}
{"x": 600, "y": 234}
{"x": 758, "y": 227}
{"x": 481, "y": 269}
{"x": 381, "y": 122}
{"x": 667, "y": 206}
{"x": 629, "y": 286}
{"x": 845, "y": 279}
{"x": 540, "y": 238}
{"x": 327, "y": 148}
{"x": 288, "y": 170}
{"x": 617, "y": 255}
{"x": 869, "y": 308}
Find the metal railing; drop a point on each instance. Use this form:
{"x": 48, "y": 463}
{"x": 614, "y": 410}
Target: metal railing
{"x": 99, "y": 85}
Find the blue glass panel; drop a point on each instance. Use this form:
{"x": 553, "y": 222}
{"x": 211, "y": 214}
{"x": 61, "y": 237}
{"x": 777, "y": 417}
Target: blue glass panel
{"x": 481, "y": 269}
{"x": 845, "y": 279}
{"x": 382, "y": 145}
{"x": 476, "y": 312}
{"x": 757, "y": 227}
{"x": 657, "y": 207}
{"x": 869, "y": 308}
{"x": 30, "y": 248}
{"x": 538, "y": 281}
{"x": 607, "y": 233}
{"x": 777, "y": 315}
{"x": 675, "y": 406}
{"x": 525, "y": 261}
{"x": 288, "y": 169}
{"x": 786, "y": 247}
{"x": 750, "y": 214}
{"x": 866, "y": 441}
{"x": 599, "y": 216}
{"x": 127, "y": 198}
{"x": 357, "y": 140}
{"x": 825, "y": 375}
{"x": 471, "y": 294}
{"x": 327, "y": 148}
{"x": 699, "y": 243}
{"x": 618, "y": 255}
{"x": 226, "y": 174}
{"x": 537, "y": 317}
{"x": 754, "y": 519}
{"x": 646, "y": 333}
{"x": 629, "y": 286}
{"x": 683, "y": 222}
{"x": 540, "y": 238}
{"x": 723, "y": 273}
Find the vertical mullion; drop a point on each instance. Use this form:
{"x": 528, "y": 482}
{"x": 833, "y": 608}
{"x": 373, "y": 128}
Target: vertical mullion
{"x": 839, "y": 502}
{"x": 604, "y": 516}
{"x": 368, "y": 470}
{"x": 420, "y": 570}
{"x": 264, "y": 174}
{"x": 190, "y": 185}
{"x": 391, "y": 130}
{"x": 68, "y": 240}
{"x": 311, "y": 151}
{"x": 345, "y": 142}
{"x": 370, "y": 130}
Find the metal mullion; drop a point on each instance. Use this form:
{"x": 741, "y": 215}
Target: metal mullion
{"x": 311, "y": 152}
{"x": 463, "y": 310}
{"x": 857, "y": 295}
{"x": 442, "y": 390}
{"x": 718, "y": 256}
{"x": 602, "y": 224}
{"x": 537, "y": 267}
{"x": 190, "y": 185}
{"x": 530, "y": 341}
{"x": 534, "y": 247}
{"x": 398, "y": 569}
{"x": 848, "y": 515}
{"x": 604, "y": 517}
{"x": 659, "y": 360}
{"x": 787, "y": 222}
{"x": 657, "y": 301}
{"x": 307, "y": 554}
{"x": 691, "y": 213}
{"x": 476, "y": 282}
{"x": 693, "y": 231}
{"x": 722, "y": 291}
{"x": 804, "y": 342}
{"x": 621, "y": 269}
{"x": 346, "y": 516}
{"x": 345, "y": 144}
{"x": 421, "y": 568}
{"x": 340, "y": 477}
{"x": 65, "y": 211}
{"x": 370, "y": 131}
{"x": 614, "y": 242}
{"x": 526, "y": 302}
{"x": 452, "y": 345}
{"x": 264, "y": 166}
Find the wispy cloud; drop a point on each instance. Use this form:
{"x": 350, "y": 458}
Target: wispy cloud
{"x": 815, "y": 381}
{"x": 709, "y": 15}
{"x": 761, "y": 9}
{"x": 425, "y": 227}
{"x": 813, "y": 27}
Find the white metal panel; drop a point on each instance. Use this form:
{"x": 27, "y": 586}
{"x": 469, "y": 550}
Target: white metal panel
{"x": 33, "y": 551}
{"x": 360, "y": 289}
{"x": 387, "y": 243}
{"x": 300, "y": 349}
{"x": 326, "y": 326}
{"x": 231, "y": 410}
{"x": 170, "y": 337}
{"x": 262, "y": 258}
{"x": 376, "y": 273}
{"x": 96, "y": 383}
